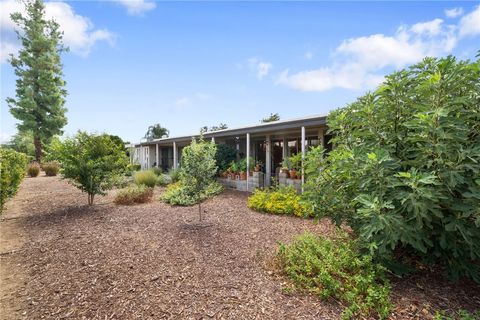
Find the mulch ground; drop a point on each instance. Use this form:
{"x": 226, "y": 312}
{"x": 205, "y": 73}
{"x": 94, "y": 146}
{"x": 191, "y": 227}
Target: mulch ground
{"x": 63, "y": 259}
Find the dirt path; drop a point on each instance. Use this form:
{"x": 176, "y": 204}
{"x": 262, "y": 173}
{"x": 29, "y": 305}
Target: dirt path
{"x": 62, "y": 259}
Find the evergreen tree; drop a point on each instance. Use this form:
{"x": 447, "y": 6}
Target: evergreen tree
{"x": 40, "y": 93}
{"x": 272, "y": 117}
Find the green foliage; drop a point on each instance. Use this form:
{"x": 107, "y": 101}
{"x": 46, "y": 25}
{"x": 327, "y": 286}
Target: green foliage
{"x": 242, "y": 164}
{"x": 272, "y": 117}
{"x": 404, "y": 173}
{"x": 334, "y": 267}
{"x": 156, "y": 131}
{"x": 224, "y": 155}
{"x": 184, "y": 195}
{"x": 22, "y": 142}
{"x": 134, "y": 194}
{"x": 174, "y": 175}
{"x": 221, "y": 126}
{"x": 460, "y": 315}
{"x": 92, "y": 162}
{"x": 51, "y": 168}
{"x": 197, "y": 176}
{"x": 147, "y": 178}
{"x": 157, "y": 171}
{"x": 283, "y": 200}
{"x": 33, "y": 169}
{"x": 12, "y": 171}
{"x": 40, "y": 92}
{"x": 161, "y": 180}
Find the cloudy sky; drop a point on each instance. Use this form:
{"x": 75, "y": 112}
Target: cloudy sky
{"x": 190, "y": 64}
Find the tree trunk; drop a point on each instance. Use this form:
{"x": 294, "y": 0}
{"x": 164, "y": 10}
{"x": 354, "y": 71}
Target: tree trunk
{"x": 38, "y": 148}
{"x": 90, "y": 198}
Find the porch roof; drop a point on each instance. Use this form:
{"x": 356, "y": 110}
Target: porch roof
{"x": 260, "y": 128}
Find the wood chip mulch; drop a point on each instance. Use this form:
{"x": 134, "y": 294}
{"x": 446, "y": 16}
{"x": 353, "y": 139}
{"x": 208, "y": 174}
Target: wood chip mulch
{"x": 61, "y": 259}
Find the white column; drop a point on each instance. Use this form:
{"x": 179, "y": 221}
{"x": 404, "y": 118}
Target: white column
{"x": 157, "y": 156}
{"x": 285, "y": 148}
{"x": 303, "y": 156}
{"x": 238, "y": 150}
{"x": 268, "y": 161}
{"x": 248, "y": 159}
{"x": 213, "y": 139}
{"x": 321, "y": 137}
{"x": 175, "y": 155}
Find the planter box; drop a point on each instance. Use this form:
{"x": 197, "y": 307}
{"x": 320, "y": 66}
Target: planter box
{"x": 256, "y": 180}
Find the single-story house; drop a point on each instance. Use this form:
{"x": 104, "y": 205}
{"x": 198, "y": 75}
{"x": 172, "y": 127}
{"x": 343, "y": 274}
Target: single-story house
{"x": 269, "y": 142}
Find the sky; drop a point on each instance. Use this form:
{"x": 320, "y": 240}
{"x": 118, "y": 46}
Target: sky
{"x": 185, "y": 65}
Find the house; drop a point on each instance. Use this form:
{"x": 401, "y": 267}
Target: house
{"x": 269, "y": 143}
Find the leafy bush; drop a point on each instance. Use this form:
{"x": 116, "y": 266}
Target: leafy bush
{"x": 184, "y": 195}
{"x": 93, "y": 163}
{"x": 459, "y": 315}
{"x": 224, "y": 155}
{"x": 161, "y": 180}
{"x": 146, "y": 177}
{"x": 135, "y": 167}
{"x": 279, "y": 201}
{"x": 51, "y": 168}
{"x": 334, "y": 267}
{"x": 174, "y": 175}
{"x": 157, "y": 171}
{"x": 33, "y": 169}
{"x": 12, "y": 171}
{"x": 134, "y": 194}
{"x": 404, "y": 173}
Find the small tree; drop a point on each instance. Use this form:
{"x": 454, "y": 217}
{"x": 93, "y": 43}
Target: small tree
{"x": 272, "y": 117}
{"x": 92, "y": 162}
{"x": 221, "y": 126}
{"x": 156, "y": 131}
{"x": 199, "y": 167}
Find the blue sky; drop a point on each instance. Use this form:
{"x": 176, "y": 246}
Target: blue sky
{"x": 190, "y": 64}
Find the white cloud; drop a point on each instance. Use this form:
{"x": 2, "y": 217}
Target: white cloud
{"x": 80, "y": 34}
{"x": 454, "y": 12}
{"x": 260, "y": 68}
{"x": 137, "y": 7}
{"x": 308, "y": 55}
{"x": 359, "y": 63}
{"x": 182, "y": 102}
{"x": 470, "y": 23}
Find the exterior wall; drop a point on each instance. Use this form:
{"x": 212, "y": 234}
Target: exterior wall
{"x": 152, "y": 156}
{"x": 256, "y": 180}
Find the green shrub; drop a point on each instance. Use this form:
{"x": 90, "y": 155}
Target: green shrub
{"x": 33, "y": 169}
{"x": 404, "y": 173}
{"x": 174, "y": 175}
{"x": 93, "y": 163}
{"x": 12, "y": 171}
{"x": 134, "y": 194}
{"x": 280, "y": 201}
{"x": 184, "y": 195}
{"x": 334, "y": 267}
{"x": 157, "y": 171}
{"x": 161, "y": 180}
{"x": 224, "y": 155}
{"x": 146, "y": 177}
{"x": 51, "y": 168}
{"x": 459, "y": 315}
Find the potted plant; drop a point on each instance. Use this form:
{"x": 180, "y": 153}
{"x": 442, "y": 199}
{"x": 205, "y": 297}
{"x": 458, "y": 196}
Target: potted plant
{"x": 296, "y": 165}
{"x": 258, "y": 166}
{"x": 285, "y": 166}
{"x": 242, "y": 167}
{"x": 233, "y": 169}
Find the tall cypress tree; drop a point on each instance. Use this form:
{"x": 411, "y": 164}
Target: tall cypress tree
{"x": 40, "y": 92}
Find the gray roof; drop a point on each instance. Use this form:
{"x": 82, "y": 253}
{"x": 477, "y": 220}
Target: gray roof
{"x": 310, "y": 121}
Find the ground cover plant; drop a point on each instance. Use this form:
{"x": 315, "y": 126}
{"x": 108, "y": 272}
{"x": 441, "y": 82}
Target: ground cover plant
{"x": 404, "y": 173}
{"x": 93, "y": 163}
{"x": 282, "y": 200}
{"x": 51, "y": 168}
{"x": 146, "y": 177}
{"x": 134, "y": 194}
{"x": 12, "y": 171}
{"x": 33, "y": 169}
{"x": 334, "y": 267}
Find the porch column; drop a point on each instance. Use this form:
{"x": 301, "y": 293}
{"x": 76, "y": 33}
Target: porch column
{"x": 303, "y": 156}
{"x": 238, "y": 148}
{"x": 285, "y": 148}
{"x": 321, "y": 137}
{"x": 157, "y": 156}
{"x": 175, "y": 155}
{"x": 248, "y": 159}
{"x": 268, "y": 161}
{"x": 213, "y": 139}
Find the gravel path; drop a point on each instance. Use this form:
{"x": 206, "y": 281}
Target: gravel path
{"x": 61, "y": 259}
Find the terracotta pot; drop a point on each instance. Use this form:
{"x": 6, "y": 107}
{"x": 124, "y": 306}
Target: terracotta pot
{"x": 257, "y": 168}
{"x": 283, "y": 170}
{"x": 293, "y": 174}
{"x": 243, "y": 175}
